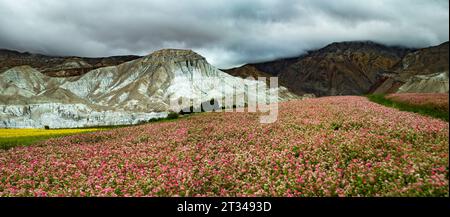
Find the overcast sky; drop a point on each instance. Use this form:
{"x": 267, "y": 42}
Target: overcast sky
{"x": 226, "y": 32}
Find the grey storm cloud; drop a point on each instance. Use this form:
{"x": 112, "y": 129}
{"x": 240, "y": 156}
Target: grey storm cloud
{"x": 226, "y": 32}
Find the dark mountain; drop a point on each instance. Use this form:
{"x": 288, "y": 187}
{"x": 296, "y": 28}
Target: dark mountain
{"x": 274, "y": 67}
{"x": 247, "y": 71}
{"x": 348, "y": 68}
{"x": 58, "y": 66}
{"x": 344, "y": 68}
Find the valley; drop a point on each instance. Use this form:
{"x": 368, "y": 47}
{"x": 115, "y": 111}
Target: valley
{"x": 351, "y": 119}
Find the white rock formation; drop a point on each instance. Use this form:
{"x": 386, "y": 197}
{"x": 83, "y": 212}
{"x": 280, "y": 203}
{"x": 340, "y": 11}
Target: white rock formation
{"x": 432, "y": 83}
{"x": 134, "y": 91}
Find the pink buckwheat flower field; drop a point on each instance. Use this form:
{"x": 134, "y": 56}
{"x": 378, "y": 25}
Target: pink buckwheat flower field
{"x": 329, "y": 146}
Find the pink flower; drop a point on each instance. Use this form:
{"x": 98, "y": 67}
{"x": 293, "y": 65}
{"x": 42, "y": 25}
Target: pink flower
{"x": 373, "y": 152}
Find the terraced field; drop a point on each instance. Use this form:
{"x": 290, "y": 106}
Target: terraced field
{"x": 330, "y": 146}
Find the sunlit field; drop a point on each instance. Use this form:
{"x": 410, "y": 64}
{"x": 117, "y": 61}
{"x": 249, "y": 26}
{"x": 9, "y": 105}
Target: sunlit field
{"x": 16, "y": 137}
{"x": 329, "y": 146}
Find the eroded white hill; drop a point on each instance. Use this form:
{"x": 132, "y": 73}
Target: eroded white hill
{"x": 125, "y": 94}
{"x": 432, "y": 83}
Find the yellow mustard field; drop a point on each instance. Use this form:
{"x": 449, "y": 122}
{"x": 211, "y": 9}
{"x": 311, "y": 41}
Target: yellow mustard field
{"x": 11, "y": 133}
{"x": 23, "y": 137}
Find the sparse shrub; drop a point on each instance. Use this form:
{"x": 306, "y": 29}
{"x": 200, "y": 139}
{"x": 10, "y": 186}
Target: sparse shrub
{"x": 212, "y": 102}
{"x": 172, "y": 115}
{"x": 186, "y": 111}
{"x": 142, "y": 122}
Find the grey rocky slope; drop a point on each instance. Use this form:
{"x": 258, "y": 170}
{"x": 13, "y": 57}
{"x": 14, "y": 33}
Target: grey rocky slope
{"x": 128, "y": 93}
{"x": 429, "y": 83}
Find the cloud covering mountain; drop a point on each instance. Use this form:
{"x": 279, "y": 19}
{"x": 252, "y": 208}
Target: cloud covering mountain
{"x": 226, "y": 32}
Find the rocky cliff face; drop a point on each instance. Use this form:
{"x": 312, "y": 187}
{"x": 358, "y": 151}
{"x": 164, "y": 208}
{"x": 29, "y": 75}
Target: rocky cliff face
{"x": 346, "y": 68}
{"x": 415, "y": 69}
{"x": 58, "y": 66}
{"x": 354, "y": 68}
{"x": 128, "y": 93}
{"x": 349, "y": 68}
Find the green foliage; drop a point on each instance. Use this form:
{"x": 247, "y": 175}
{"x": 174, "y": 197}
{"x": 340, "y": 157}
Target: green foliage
{"x": 191, "y": 109}
{"x": 336, "y": 125}
{"x": 172, "y": 115}
{"x": 423, "y": 110}
{"x": 296, "y": 151}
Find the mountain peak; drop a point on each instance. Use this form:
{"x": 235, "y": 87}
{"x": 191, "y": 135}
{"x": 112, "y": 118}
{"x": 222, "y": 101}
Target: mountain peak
{"x": 172, "y": 56}
{"x": 366, "y": 45}
{"x": 176, "y": 54}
